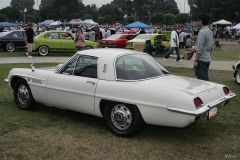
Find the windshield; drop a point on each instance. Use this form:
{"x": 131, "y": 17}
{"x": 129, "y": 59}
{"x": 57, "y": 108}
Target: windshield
{"x": 143, "y": 36}
{"x": 138, "y": 67}
{"x": 115, "y": 36}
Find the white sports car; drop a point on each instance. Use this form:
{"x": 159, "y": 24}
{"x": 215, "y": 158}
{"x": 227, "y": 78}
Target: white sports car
{"x": 236, "y": 74}
{"x": 127, "y": 88}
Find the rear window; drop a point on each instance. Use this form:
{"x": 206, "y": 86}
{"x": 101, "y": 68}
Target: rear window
{"x": 143, "y": 36}
{"x": 115, "y": 36}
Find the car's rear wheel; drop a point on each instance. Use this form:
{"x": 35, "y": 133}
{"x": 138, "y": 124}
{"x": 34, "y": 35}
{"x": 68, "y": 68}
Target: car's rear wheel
{"x": 43, "y": 50}
{"x": 238, "y": 76}
{"x": 123, "y": 120}
{"x": 88, "y": 47}
{"x": 23, "y": 95}
{"x": 10, "y": 47}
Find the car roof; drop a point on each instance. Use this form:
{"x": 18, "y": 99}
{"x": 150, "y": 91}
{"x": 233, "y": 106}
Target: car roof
{"x": 108, "y": 52}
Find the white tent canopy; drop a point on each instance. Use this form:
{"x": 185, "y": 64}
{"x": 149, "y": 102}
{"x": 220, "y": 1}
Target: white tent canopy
{"x": 222, "y": 22}
{"x": 56, "y": 23}
{"x": 236, "y": 26}
{"x": 87, "y": 22}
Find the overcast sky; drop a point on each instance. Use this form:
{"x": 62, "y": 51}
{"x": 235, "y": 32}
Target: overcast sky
{"x": 180, "y": 3}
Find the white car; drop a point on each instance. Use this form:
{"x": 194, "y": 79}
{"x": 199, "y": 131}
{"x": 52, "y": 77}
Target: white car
{"x": 236, "y": 74}
{"x": 125, "y": 87}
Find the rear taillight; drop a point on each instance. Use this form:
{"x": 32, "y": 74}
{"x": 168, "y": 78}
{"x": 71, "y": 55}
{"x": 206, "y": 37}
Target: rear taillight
{"x": 226, "y": 90}
{"x": 198, "y": 102}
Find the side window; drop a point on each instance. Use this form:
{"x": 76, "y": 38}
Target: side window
{"x": 66, "y": 36}
{"x": 162, "y": 37}
{"x": 86, "y": 67}
{"x": 15, "y": 34}
{"x": 52, "y": 36}
{"x": 68, "y": 70}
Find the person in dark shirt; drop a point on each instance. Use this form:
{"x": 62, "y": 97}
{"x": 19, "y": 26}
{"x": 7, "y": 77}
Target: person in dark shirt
{"x": 1, "y": 29}
{"x": 29, "y": 40}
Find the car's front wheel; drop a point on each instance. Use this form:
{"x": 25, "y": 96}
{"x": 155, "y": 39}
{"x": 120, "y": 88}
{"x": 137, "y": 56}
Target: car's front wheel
{"x": 23, "y": 95}
{"x": 238, "y": 76}
{"x": 123, "y": 120}
{"x": 10, "y": 47}
{"x": 43, "y": 50}
{"x": 88, "y": 47}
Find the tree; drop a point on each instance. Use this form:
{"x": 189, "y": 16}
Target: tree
{"x": 131, "y": 19}
{"x": 87, "y": 16}
{"x": 45, "y": 14}
{"x": 112, "y": 12}
{"x": 11, "y": 13}
{"x": 182, "y": 18}
{"x": 157, "y": 18}
{"x": 22, "y": 4}
{"x": 30, "y": 18}
{"x": 100, "y": 19}
{"x": 169, "y": 19}
{"x": 3, "y": 18}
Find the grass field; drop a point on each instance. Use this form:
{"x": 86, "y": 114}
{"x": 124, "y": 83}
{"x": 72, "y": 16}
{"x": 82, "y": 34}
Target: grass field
{"x": 54, "y": 134}
{"x": 228, "y": 53}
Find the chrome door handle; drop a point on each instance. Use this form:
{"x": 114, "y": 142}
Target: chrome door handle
{"x": 90, "y": 82}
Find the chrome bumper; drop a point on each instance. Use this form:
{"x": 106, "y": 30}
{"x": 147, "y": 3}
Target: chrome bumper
{"x": 6, "y": 80}
{"x": 205, "y": 108}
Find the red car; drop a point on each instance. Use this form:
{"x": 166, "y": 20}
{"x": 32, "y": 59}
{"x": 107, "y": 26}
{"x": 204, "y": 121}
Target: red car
{"x": 116, "y": 40}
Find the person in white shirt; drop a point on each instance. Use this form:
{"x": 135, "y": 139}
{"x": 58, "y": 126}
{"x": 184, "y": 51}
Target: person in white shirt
{"x": 92, "y": 35}
{"x": 181, "y": 40}
{"x": 174, "y": 45}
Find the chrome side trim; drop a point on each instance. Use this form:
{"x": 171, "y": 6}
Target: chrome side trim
{"x": 6, "y": 80}
{"x": 205, "y": 107}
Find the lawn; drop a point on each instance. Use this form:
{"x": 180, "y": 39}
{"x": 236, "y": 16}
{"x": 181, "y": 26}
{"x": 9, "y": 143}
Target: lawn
{"x": 54, "y": 134}
{"x": 228, "y": 53}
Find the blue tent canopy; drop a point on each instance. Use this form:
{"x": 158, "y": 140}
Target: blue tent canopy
{"x": 137, "y": 25}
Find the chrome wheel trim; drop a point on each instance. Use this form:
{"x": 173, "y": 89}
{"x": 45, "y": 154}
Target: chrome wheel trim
{"x": 121, "y": 117}
{"x": 10, "y": 47}
{"x": 43, "y": 50}
{"x": 238, "y": 76}
{"x": 23, "y": 94}
{"x": 87, "y": 47}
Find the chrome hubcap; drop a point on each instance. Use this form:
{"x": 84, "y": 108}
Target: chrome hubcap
{"x": 238, "y": 76}
{"x": 10, "y": 47}
{"x": 121, "y": 117}
{"x": 23, "y": 94}
{"x": 43, "y": 50}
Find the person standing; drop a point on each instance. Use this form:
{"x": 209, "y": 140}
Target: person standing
{"x": 92, "y": 35}
{"x": 98, "y": 35}
{"x": 79, "y": 39}
{"x": 174, "y": 45}
{"x": 203, "y": 49}
{"x": 29, "y": 40}
{"x": 107, "y": 32}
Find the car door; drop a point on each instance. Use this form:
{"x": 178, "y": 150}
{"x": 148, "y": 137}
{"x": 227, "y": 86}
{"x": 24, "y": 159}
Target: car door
{"x": 17, "y": 37}
{"x": 53, "y": 41}
{"x": 67, "y": 42}
{"x": 74, "y": 86}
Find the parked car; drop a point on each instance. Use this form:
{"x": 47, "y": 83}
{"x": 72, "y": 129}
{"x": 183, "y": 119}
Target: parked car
{"x": 116, "y": 40}
{"x": 236, "y": 74}
{"x": 12, "y": 40}
{"x": 143, "y": 37}
{"x": 125, "y": 87}
{"x": 58, "y": 41}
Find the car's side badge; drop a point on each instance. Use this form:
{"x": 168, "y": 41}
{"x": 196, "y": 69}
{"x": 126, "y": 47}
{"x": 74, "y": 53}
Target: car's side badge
{"x": 32, "y": 67}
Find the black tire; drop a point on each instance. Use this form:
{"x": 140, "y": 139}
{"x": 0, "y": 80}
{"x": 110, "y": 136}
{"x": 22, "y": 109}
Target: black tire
{"x": 88, "y": 47}
{"x": 124, "y": 46}
{"x": 238, "y": 76}
{"x": 43, "y": 50}
{"x": 123, "y": 120}
{"x": 23, "y": 95}
{"x": 10, "y": 47}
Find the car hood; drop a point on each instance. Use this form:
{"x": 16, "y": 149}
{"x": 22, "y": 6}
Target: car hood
{"x": 183, "y": 84}
{"x": 138, "y": 40}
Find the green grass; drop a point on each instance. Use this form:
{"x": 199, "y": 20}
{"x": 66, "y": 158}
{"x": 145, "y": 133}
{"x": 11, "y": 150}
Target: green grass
{"x": 22, "y": 53}
{"x": 54, "y": 134}
{"x": 228, "y": 53}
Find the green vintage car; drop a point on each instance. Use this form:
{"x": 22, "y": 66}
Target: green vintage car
{"x": 58, "y": 41}
{"x": 143, "y": 37}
